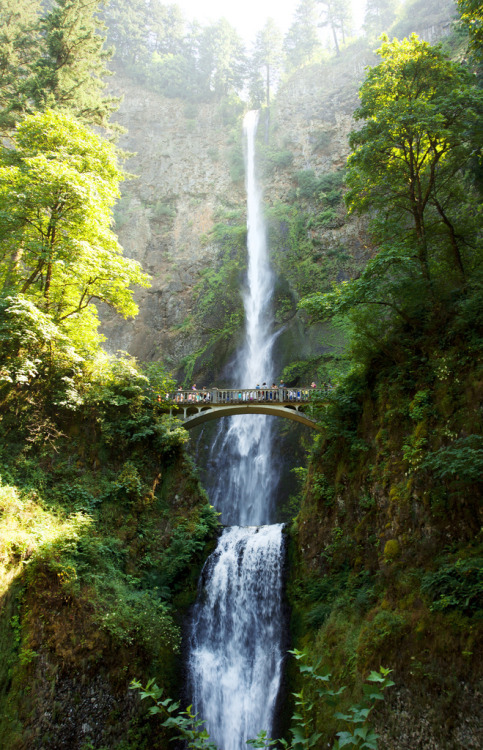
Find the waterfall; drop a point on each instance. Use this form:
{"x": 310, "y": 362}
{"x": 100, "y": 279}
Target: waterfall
{"x": 245, "y": 483}
{"x": 236, "y": 658}
{"x": 235, "y": 642}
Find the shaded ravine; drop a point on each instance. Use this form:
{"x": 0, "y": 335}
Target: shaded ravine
{"x": 235, "y": 640}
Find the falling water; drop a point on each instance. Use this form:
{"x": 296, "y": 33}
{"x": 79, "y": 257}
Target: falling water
{"x": 241, "y": 451}
{"x": 235, "y": 643}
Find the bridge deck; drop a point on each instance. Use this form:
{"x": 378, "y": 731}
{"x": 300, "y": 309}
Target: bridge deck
{"x": 241, "y": 395}
{"x": 195, "y": 407}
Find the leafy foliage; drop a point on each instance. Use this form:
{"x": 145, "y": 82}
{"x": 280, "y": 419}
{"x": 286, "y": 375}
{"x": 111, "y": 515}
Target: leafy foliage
{"x": 188, "y": 726}
{"x": 419, "y": 110}
{"x": 461, "y": 461}
{"x": 456, "y": 586}
{"x": 358, "y": 732}
{"x": 472, "y": 17}
{"x": 58, "y": 185}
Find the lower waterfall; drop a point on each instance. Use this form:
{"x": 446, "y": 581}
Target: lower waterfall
{"x": 235, "y": 653}
{"x": 235, "y": 649}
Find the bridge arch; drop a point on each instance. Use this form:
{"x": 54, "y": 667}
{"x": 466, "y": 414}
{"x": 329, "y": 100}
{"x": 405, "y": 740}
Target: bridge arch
{"x": 208, "y": 413}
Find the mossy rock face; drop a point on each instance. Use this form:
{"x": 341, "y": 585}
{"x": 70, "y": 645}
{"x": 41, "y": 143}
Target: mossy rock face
{"x": 391, "y": 550}
{"x": 102, "y": 599}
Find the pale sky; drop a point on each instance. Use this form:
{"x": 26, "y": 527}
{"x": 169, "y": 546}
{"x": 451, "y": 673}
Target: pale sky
{"x": 248, "y": 16}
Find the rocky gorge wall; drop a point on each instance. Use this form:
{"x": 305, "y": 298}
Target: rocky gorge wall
{"x": 183, "y": 216}
{"x": 180, "y": 159}
{"x": 188, "y": 162}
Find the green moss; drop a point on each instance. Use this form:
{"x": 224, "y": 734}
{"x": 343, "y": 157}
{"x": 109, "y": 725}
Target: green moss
{"x": 391, "y": 550}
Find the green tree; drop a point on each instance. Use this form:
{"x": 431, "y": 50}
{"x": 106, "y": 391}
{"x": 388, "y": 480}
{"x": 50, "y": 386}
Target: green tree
{"x": 19, "y": 44}
{"x": 379, "y": 16}
{"x": 266, "y": 61}
{"x": 139, "y": 29}
{"x": 336, "y": 15}
{"x": 419, "y": 110}
{"x": 52, "y": 59}
{"x": 471, "y": 12}
{"x": 409, "y": 171}
{"x": 222, "y": 61}
{"x": 165, "y": 28}
{"x": 70, "y": 73}
{"x": 302, "y": 43}
{"x": 57, "y": 187}
{"x": 126, "y": 29}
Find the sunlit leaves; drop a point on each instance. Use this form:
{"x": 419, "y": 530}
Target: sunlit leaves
{"x": 420, "y": 110}
{"x": 409, "y": 172}
{"x": 57, "y": 188}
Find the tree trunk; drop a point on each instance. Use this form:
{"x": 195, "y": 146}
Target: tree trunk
{"x": 334, "y": 32}
{"x": 453, "y": 240}
{"x": 12, "y": 267}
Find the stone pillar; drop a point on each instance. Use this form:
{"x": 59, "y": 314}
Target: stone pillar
{"x": 214, "y": 395}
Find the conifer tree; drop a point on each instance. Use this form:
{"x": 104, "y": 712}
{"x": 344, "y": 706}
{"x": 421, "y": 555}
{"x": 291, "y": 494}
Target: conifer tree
{"x": 379, "y": 16}
{"x": 267, "y": 56}
{"x": 126, "y": 29}
{"x": 70, "y": 73}
{"x": 19, "y": 45}
{"x": 336, "y": 15}
{"x": 52, "y": 59}
{"x": 222, "y": 61}
{"x": 302, "y": 42}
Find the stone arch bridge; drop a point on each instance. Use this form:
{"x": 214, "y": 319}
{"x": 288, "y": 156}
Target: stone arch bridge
{"x": 196, "y": 407}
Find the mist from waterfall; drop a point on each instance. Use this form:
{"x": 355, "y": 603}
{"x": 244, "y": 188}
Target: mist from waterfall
{"x": 235, "y": 642}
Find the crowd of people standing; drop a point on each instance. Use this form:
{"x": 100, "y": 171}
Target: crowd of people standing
{"x": 261, "y": 392}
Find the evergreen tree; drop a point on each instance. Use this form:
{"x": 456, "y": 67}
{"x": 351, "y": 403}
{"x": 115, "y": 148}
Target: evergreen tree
{"x": 126, "y": 23}
{"x": 379, "y": 16}
{"x": 222, "y": 60}
{"x": 54, "y": 59}
{"x": 70, "y": 73}
{"x": 336, "y": 15}
{"x": 266, "y": 61}
{"x": 302, "y": 43}
{"x": 165, "y": 28}
{"x": 19, "y": 45}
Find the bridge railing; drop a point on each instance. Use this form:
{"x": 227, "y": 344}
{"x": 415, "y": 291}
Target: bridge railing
{"x": 240, "y": 395}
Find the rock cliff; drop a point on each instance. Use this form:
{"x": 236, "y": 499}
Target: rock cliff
{"x": 180, "y": 162}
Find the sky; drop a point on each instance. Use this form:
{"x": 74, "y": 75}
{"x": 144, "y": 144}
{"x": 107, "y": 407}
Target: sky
{"x": 248, "y": 16}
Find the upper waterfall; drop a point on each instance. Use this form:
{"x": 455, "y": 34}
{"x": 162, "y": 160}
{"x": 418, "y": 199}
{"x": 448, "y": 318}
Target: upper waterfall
{"x": 245, "y": 482}
{"x": 257, "y": 353}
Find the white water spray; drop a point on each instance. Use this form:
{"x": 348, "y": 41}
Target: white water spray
{"x": 235, "y": 643}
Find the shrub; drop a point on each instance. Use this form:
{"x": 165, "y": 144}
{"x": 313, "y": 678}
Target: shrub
{"x": 457, "y": 585}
